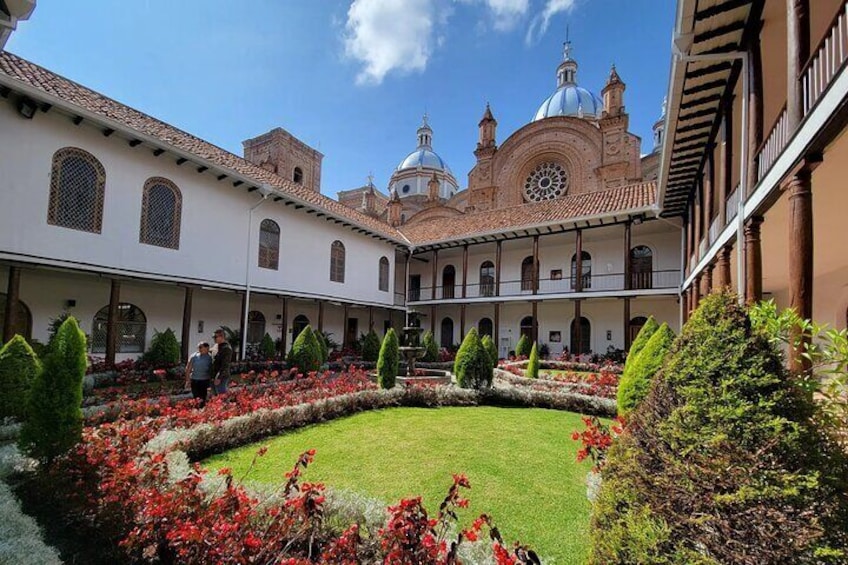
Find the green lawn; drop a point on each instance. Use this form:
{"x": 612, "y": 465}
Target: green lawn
{"x": 520, "y": 463}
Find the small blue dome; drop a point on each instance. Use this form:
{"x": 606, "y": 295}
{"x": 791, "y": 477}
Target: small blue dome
{"x": 424, "y": 158}
{"x": 570, "y": 100}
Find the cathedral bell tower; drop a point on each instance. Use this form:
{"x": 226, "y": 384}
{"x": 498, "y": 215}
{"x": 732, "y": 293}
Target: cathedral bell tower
{"x": 480, "y": 179}
{"x": 621, "y": 163}
{"x": 613, "y": 94}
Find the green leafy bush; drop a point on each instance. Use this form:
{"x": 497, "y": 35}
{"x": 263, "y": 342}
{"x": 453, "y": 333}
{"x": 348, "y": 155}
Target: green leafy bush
{"x": 54, "y": 416}
{"x": 19, "y": 367}
{"x": 371, "y": 347}
{"x": 267, "y": 347}
{"x": 722, "y": 461}
{"x": 164, "y": 349}
{"x": 431, "y": 348}
{"x": 472, "y": 365}
{"x": 532, "y": 371}
{"x": 319, "y": 344}
{"x": 650, "y": 327}
{"x": 388, "y": 363}
{"x": 491, "y": 349}
{"x": 305, "y": 353}
{"x": 522, "y": 349}
{"x": 636, "y": 379}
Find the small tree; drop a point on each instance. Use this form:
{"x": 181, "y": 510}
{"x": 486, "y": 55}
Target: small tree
{"x": 491, "y": 349}
{"x": 371, "y": 346}
{"x": 431, "y": 348}
{"x": 636, "y": 380}
{"x": 305, "y": 354}
{"x": 267, "y": 347}
{"x": 532, "y": 371}
{"x": 522, "y": 349}
{"x": 164, "y": 349}
{"x": 19, "y": 367}
{"x": 650, "y": 327}
{"x": 54, "y": 416}
{"x": 388, "y": 363}
{"x": 472, "y": 366}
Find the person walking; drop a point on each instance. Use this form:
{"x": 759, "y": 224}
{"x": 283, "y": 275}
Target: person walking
{"x": 199, "y": 372}
{"x": 221, "y": 363}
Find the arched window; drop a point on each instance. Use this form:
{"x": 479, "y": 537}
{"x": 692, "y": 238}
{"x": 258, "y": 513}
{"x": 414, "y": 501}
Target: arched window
{"x": 581, "y": 336}
{"x": 161, "y": 210}
{"x": 77, "y": 187}
{"x": 23, "y": 318}
{"x": 269, "y": 244}
{"x": 641, "y": 267}
{"x": 131, "y": 330}
{"x": 384, "y": 274}
{"x": 485, "y": 327}
{"x": 448, "y": 281}
{"x": 446, "y": 337}
{"x": 337, "y": 262}
{"x": 636, "y": 326}
{"x": 527, "y": 326}
{"x": 487, "y": 279}
{"x": 297, "y": 175}
{"x": 587, "y": 271}
{"x": 298, "y": 325}
{"x": 527, "y": 274}
{"x": 255, "y": 326}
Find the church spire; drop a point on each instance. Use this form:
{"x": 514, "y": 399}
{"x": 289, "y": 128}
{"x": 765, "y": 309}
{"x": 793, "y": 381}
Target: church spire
{"x": 567, "y": 70}
{"x": 425, "y": 134}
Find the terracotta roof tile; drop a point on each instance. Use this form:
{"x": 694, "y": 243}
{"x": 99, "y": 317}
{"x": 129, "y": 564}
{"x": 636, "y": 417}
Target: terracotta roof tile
{"x": 562, "y": 210}
{"x": 85, "y": 98}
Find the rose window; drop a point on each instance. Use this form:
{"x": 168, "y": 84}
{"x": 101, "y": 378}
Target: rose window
{"x": 546, "y": 181}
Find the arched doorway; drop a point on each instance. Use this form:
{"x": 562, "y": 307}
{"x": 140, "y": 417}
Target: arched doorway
{"x": 487, "y": 279}
{"x": 131, "y": 330}
{"x": 636, "y": 325}
{"x": 581, "y": 336}
{"x": 527, "y": 274}
{"x": 448, "y": 281}
{"x": 641, "y": 267}
{"x": 298, "y": 324}
{"x": 526, "y": 327}
{"x": 446, "y": 336}
{"x": 23, "y": 318}
{"x": 586, "y": 269}
{"x": 485, "y": 327}
{"x": 255, "y": 326}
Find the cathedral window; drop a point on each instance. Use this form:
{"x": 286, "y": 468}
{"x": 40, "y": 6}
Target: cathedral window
{"x": 269, "y": 244}
{"x": 337, "y": 262}
{"x": 546, "y": 181}
{"x": 297, "y": 175}
{"x": 161, "y": 212}
{"x": 77, "y": 187}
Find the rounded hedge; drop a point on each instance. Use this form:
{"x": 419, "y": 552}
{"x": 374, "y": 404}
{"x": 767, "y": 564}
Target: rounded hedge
{"x": 305, "y": 353}
{"x": 491, "y": 349}
{"x": 370, "y": 347}
{"x": 522, "y": 349}
{"x": 19, "y": 367}
{"x": 164, "y": 349}
{"x": 431, "y": 348}
{"x": 650, "y": 327}
{"x": 473, "y": 366}
{"x": 267, "y": 347}
{"x": 636, "y": 379}
{"x": 388, "y": 363}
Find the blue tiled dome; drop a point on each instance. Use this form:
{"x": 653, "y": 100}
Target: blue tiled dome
{"x": 426, "y": 158}
{"x": 570, "y": 100}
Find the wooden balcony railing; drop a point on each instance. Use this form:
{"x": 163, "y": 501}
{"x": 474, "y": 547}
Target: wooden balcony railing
{"x": 827, "y": 60}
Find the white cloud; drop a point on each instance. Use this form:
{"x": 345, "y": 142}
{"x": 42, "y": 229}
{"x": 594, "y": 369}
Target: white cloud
{"x": 542, "y": 20}
{"x": 507, "y": 13}
{"x": 392, "y": 35}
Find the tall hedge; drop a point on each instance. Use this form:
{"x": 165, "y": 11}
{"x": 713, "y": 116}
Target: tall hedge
{"x": 54, "y": 415}
{"x": 431, "y": 348}
{"x": 322, "y": 341}
{"x": 723, "y": 462}
{"x": 267, "y": 347}
{"x": 19, "y": 368}
{"x": 388, "y": 363}
{"x": 522, "y": 349}
{"x": 491, "y": 349}
{"x": 305, "y": 353}
{"x": 650, "y": 327}
{"x": 371, "y": 347}
{"x": 532, "y": 371}
{"x": 472, "y": 365}
{"x": 636, "y": 379}
{"x": 164, "y": 349}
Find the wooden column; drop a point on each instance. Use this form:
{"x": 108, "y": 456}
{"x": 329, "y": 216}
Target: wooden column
{"x": 345, "y": 342}
{"x": 185, "y": 337}
{"x": 535, "y": 264}
{"x": 755, "y": 109}
{"x": 462, "y": 321}
{"x": 435, "y": 272}
{"x": 691, "y": 236}
{"x": 284, "y": 326}
{"x": 496, "y": 330}
{"x": 699, "y": 217}
{"x": 627, "y": 266}
{"x": 498, "y": 251}
{"x": 722, "y": 278}
{"x": 696, "y": 293}
{"x": 433, "y": 320}
{"x": 800, "y": 257}
{"x": 370, "y": 319}
{"x": 578, "y": 330}
{"x": 321, "y": 316}
{"x": 684, "y": 300}
{"x": 627, "y": 324}
{"x": 535, "y": 332}
{"x": 753, "y": 260}
{"x": 112, "y": 322}
{"x": 798, "y": 51}
{"x": 464, "y": 270}
{"x": 578, "y": 267}
{"x": 242, "y": 326}
{"x": 707, "y": 279}
{"x": 13, "y": 291}
{"x": 726, "y": 178}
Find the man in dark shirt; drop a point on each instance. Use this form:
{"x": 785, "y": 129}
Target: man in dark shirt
{"x": 221, "y": 363}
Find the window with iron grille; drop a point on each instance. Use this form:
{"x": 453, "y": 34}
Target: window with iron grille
{"x": 132, "y": 329}
{"x": 384, "y": 274}
{"x": 77, "y": 186}
{"x": 255, "y": 326}
{"x": 269, "y": 244}
{"x": 161, "y": 212}
{"x": 337, "y": 262}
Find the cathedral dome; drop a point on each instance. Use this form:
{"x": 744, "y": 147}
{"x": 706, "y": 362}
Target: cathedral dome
{"x": 412, "y": 176}
{"x": 426, "y": 158}
{"x": 569, "y": 99}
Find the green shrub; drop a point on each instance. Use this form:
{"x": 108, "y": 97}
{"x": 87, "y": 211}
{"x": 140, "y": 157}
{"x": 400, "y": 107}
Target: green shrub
{"x": 305, "y": 353}
{"x": 472, "y": 365}
{"x": 722, "y": 461}
{"x": 388, "y": 363}
{"x": 532, "y": 371}
{"x": 19, "y": 367}
{"x": 164, "y": 349}
{"x": 491, "y": 349}
{"x": 54, "y": 416}
{"x": 323, "y": 343}
{"x": 267, "y": 347}
{"x": 636, "y": 379}
{"x": 431, "y": 348}
{"x": 371, "y": 347}
{"x": 650, "y": 327}
{"x": 522, "y": 349}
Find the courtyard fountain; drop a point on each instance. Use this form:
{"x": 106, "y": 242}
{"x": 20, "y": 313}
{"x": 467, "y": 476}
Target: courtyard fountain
{"x": 412, "y": 350}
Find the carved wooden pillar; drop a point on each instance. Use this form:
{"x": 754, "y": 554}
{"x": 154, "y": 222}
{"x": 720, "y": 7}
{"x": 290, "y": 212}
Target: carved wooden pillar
{"x": 578, "y": 330}
{"x": 112, "y": 322}
{"x": 578, "y": 267}
{"x": 753, "y": 260}
{"x": 690, "y": 233}
{"x": 284, "y": 326}
{"x": 435, "y": 272}
{"x": 535, "y": 330}
{"x": 13, "y": 290}
{"x": 535, "y": 264}
{"x": 627, "y": 267}
{"x": 798, "y": 51}
{"x": 433, "y": 320}
{"x": 498, "y": 251}
{"x": 699, "y": 217}
{"x": 627, "y": 324}
{"x": 708, "y": 280}
{"x": 370, "y": 319}
{"x": 724, "y": 184}
{"x": 242, "y": 325}
{"x": 696, "y": 293}
{"x": 722, "y": 278}
{"x": 709, "y": 184}
{"x": 464, "y": 269}
{"x": 497, "y": 325}
{"x": 185, "y": 336}
{"x": 800, "y": 256}
{"x": 684, "y": 304}
{"x": 345, "y": 340}
{"x": 755, "y": 109}
{"x": 462, "y": 321}
{"x": 321, "y": 316}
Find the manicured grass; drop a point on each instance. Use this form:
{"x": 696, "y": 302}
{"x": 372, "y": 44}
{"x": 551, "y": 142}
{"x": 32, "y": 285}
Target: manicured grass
{"x": 520, "y": 463}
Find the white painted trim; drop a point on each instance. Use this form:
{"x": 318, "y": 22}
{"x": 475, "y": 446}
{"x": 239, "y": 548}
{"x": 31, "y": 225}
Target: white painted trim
{"x": 553, "y": 296}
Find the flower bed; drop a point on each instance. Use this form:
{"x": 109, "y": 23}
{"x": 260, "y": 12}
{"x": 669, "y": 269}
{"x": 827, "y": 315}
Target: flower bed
{"x": 603, "y": 382}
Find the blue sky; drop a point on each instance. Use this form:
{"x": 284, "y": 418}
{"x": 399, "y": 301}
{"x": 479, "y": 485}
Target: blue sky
{"x": 351, "y": 78}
